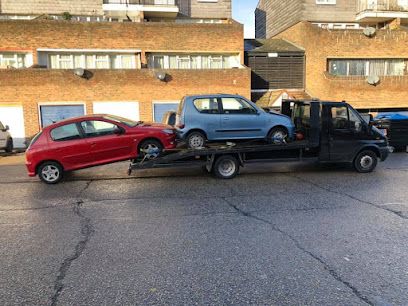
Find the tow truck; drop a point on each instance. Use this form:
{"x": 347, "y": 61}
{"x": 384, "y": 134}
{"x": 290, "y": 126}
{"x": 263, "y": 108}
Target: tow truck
{"x": 326, "y": 132}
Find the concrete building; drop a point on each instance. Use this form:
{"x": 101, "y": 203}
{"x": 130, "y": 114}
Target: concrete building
{"x": 274, "y": 16}
{"x": 51, "y": 70}
{"x": 119, "y": 10}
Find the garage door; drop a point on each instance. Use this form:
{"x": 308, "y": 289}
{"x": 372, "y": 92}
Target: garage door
{"x": 53, "y": 113}
{"x": 13, "y": 117}
{"x": 128, "y": 110}
{"x": 160, "y": 108}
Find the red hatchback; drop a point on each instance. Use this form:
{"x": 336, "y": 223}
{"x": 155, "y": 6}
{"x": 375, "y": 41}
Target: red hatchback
{"x": 93, "y": 140}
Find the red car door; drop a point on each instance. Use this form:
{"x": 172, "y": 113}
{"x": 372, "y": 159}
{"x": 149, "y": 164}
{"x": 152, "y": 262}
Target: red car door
{"x": 107, "y": 145}
{"x": 69, "y": 147}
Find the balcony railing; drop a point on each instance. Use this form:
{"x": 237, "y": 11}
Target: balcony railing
{"x": 382, "y": 6}
{"x": 141, "y": 2}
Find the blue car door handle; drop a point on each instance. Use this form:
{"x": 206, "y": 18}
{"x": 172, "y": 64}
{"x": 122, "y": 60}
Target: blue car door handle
{"x": 226, "y": 118}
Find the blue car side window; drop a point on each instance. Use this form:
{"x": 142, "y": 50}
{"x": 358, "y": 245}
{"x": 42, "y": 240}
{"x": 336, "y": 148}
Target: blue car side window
{"x": 207, "y": 105}
{"x": 237, "y": 106}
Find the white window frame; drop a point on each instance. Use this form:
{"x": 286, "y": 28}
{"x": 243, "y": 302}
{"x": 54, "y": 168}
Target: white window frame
{"x": 27, "y": 58}
{"x": 56, "y": 104}
{"x": 211, "y": 57}
{"x": 154, "y": 102}
{"x": 367, "y": 64}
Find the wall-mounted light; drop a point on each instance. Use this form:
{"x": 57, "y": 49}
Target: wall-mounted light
{"x": 161, "y": 75}
{"x": 82, "y": 73}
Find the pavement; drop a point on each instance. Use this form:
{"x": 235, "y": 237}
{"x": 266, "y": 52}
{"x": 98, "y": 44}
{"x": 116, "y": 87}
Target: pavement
{"x": 278, "y": 234}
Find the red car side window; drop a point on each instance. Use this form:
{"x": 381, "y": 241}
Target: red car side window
{"x": 65, "y": 133}
{"x": 96, "y": 128}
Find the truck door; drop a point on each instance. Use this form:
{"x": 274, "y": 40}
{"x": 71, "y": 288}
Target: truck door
{"x": 345, "y": 131}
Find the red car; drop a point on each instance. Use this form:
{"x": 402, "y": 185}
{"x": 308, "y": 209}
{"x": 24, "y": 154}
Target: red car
{"x": 93, "y": 140}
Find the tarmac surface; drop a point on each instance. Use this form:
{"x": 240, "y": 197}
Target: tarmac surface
{"x": 279, "y": 234}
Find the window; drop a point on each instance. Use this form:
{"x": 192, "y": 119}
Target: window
{"x": 237, "y": 106}
{"x": 325, "y": 1}
{"x": 207, "y": 106}
{"x": 193, "y": 61}
{"x": 355, "y": 121}
{"x": 339, "y": 118}
{"x": 65, "y": 133}
{"x": 92, "y": 61}
{"x": 14, "y": 60}
{"x": 365, "y": 67}
{"x": 97, "y": 128}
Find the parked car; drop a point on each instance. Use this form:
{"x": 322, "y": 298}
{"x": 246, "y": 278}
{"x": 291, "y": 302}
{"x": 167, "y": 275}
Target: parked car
{"x": 93, "y": 140}
{"x": 395, "y": 127}
{"x": 6, "y": 141}
{"x": 228, "y": 117}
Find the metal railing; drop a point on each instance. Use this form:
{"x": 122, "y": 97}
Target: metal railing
{"x": 383, "y": 5}
{"x": 141, "y": 2}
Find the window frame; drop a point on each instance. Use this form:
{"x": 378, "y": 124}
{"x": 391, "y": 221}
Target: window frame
{"x": 85, "y": 135}
{"x": 80, "y": 134}
{"x": 368, "y": 66}
{"x": 240, "y": 101}
{"x": 219, "y": 112}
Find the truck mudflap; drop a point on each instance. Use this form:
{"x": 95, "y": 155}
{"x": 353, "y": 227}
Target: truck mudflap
{"x": 385, "y": 152}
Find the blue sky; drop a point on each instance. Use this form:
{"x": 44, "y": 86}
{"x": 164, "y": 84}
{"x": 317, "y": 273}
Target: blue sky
{"x": 244, "y": 12}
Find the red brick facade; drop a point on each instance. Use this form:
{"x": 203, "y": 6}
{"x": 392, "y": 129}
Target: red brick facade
{"x": 321, "y": 44}
{"x": 32, "y": 86}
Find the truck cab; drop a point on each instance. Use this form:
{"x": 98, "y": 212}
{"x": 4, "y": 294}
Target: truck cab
{"x": 338, "y": 133}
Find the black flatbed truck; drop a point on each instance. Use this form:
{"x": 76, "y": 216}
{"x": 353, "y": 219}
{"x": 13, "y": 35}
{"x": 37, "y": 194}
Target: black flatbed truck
{"x": 333, "y": 132}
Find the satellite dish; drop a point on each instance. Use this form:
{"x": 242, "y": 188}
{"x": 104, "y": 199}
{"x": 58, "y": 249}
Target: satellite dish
{"x": 161, "y": 75}
{"x": 369, "y": 31}
{"x": 373, "y": 80}
{"x": 79, "y": 72}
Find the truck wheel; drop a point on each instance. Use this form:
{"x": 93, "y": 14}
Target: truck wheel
{"x": 278, "y": 135}
{"x": 150, "y": 148}
{"x": 226, "y": 167}
{"x": 50, "y": 172}
{"x": 196, "y": 140}
{"x": 365, "y": 161}
{"x": 9, "y": 147}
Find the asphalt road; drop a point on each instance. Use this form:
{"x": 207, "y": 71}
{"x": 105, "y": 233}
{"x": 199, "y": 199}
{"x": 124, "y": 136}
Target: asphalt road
{"x": 278, "y": 234}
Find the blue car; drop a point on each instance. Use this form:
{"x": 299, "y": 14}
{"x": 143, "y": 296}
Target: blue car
{"x": 228, "y": 117}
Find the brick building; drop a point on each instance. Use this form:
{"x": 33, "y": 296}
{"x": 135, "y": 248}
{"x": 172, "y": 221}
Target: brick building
{"x": 274, "y": 16}
{"x": 121, "y": 62}
{"x": 366, "y": 65}
{"x": 339, "y": 62}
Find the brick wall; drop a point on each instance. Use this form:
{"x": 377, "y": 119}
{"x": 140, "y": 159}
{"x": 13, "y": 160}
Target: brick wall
{"x": 149, "y": 37}
{"x": 321, "y": 44}
{"x": 79, "y": 7}
{"x": 32, "y": 86}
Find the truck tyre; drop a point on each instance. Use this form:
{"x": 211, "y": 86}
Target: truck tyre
{"x": 226, "y": 167}
{"x": 365, "y": 161}
{"x": 150, "y": 144}
{"x": 50, "y": 172}
{"x": 278, "y": 135}
{"x": 196, "y": 140}
{"x": 9, "y": 147}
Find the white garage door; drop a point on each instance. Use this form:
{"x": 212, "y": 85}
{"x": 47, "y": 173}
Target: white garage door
{"x": 13, "y": 116}
{"x": 128, "y": 110}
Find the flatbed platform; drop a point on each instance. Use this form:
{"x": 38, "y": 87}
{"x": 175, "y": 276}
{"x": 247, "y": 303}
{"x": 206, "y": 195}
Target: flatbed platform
{"x": 206, "y": 155}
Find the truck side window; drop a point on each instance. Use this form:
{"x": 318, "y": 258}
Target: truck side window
{"x": 355, "y": 121}
{"x": 340, "y": 119}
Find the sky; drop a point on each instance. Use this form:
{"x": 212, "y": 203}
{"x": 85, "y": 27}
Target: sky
{"x": 244, "y": 12}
